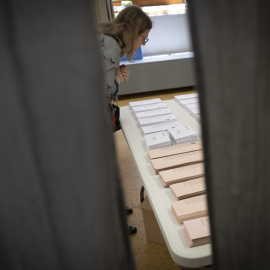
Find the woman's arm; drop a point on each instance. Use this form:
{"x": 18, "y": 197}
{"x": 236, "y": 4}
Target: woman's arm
{"x": 110, "y": 51}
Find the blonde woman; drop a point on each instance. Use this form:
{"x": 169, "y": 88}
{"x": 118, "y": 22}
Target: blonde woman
{"x": 122, "y": 37}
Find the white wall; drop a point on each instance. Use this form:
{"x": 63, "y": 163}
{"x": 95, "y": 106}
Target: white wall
{"x": 170, "y": 34}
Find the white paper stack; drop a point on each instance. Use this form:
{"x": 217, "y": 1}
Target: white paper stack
{"x": 169, "y": 118}
{"x": 144, "y": 102}
{"x": 160, "y": 127}
{"x": 152, "y": 113}
{"x": 194, "y": 109}
{"x": 182, "y": 134}
{"x": 157, "y": 140}
{"x": 192, "y": 106}
{"x": 190, "y": 102}
{"x": 184, "y": 102}
{"x": 183, "y": 97}
{"x": 155, "y": 106}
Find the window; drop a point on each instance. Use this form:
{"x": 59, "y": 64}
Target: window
{"x": 170, "y": 34}
{"x": 155, "y": 7}
{"x": 143, "y": 3}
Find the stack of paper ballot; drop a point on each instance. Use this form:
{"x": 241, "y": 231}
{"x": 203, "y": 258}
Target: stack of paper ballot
{"x": 182, "y": 134}
{"x": 191, "y": 208}
{"x": 159, "y": 127}
{"x": 186, "y": 99}
{"x": 188, "y": 188}
{"x": 175, "y": 149}
{"x": 176, "y": 161}
{"x": 157, "y": 140}
{"x": 155, "y": 120}
{"x": 144, "y": 102}
{"x": 151, "y": 113}
{"x": 197, "y": 231}
{"x": 181, "y": 174}
{"x": 190, "y": 102}
{"x": 147, "y": 105}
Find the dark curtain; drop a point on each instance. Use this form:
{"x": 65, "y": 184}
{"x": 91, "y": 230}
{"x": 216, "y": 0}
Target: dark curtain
{"x": 61, "y": 203}
{"x": 231, "y": 40}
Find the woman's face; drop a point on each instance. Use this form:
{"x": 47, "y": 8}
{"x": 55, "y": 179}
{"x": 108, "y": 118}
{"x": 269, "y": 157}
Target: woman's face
{"x": 141, "y": 39}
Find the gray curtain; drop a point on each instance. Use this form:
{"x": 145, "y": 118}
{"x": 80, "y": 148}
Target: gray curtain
{"x": 103, "y": 11}
{"x": 231, "y": 40}
{"x": 61, "y": 203}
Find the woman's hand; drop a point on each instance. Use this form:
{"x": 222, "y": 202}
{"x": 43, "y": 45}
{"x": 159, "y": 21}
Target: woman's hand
{"x": 125, "y": 72}
{"x": 119, "y": 76}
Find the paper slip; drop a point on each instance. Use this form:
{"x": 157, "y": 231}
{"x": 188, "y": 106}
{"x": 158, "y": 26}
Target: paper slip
{"x": 158, "y": 127}
{"x": 155, "y": 106}
{"x": 144, "y": 102}
{"x": 182, "y": 134}
{"x": 193, "y": 106}
{"x": 158, "y": 112}
{"x": 197, "y": 231}
{"x": 188, "y": 101}
{"x": 193, "y": 95}
{"x": 175, "y": 149}
{"x": 195, "y": 207}
{"x": 181, "y": 174}
{"x": 165, "y": 163}
{"x": 169, "y": 118}
{"x": 195, "y": 110}
{"x": 157, "y": 140}
{"x": 188, "y": 188}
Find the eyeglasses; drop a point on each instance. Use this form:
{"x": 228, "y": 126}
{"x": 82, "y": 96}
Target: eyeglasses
{"x": 145, "y": 39}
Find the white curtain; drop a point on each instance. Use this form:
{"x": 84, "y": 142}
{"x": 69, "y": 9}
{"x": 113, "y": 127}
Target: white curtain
{"x": 103, "y": 10}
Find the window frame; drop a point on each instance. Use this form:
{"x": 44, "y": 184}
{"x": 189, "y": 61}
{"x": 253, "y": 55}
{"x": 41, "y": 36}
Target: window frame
{"x": 143, "y": 3}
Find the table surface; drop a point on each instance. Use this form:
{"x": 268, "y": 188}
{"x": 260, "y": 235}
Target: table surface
{"x": 161, "y": 198}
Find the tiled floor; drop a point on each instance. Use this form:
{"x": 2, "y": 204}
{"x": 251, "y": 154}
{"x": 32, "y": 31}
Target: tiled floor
{"x": 147, "y": 255}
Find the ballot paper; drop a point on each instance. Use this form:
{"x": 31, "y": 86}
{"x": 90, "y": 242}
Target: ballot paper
{"x": 181, "y": 174}
{"x": 150, "y": 107}
{"x": 195, "y": 207}
{"x": 158, "y": 127}
{"x": 194, "y": 110}
{"x": 184, "y": 102}
{"x": 152, "y": 113}
{"x": 193, "y": 106}
{"x": 169, "y": 118}
{"x": 181, "y": 97}
{"x": 157, "y": 140}
{"x": 188, "y": 188}
{"x": 145, "y": 102}
{"x": 182, "y": 134}
{"x": 190, "y": 102}
{"x": 197, "y": 231}
{"x": 175, "y": 161}
{"x": 175, "y": 149}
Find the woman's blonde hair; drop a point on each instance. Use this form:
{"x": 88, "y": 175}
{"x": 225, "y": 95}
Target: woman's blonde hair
{"x": 126, "y": 27}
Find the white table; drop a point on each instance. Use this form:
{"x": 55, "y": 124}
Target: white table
{"x": 161, "y": 198}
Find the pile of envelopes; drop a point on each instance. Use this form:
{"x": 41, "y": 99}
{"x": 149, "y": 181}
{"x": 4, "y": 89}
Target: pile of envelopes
{"x": 181, "y": 168}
